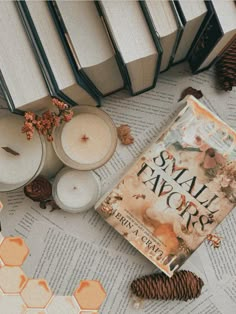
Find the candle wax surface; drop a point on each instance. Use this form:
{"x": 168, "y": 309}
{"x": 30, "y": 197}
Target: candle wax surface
{"x": 97, "y": 138}
{"x": 77, "y": 189}
{"x": 18, "y": 169}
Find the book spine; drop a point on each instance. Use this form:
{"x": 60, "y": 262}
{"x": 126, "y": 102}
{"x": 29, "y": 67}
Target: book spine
{"x": 208, "y": 36}
{"x": 35, "y": 42}
{"x": 155, "y": 37}
{"x": 202, "y": 27}
{"x": 118, "y": 56}
{"x": 180, "y": 11}
{"x": 179, "y": 32}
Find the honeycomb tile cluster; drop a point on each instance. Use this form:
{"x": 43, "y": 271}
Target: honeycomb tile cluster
{"x": 22, "y": 295}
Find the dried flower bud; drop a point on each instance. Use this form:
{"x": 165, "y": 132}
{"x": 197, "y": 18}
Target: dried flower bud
{"x": 29, "y": 116}
{"x": 38, "y": 190}
{"x": 68, "y": 114}
{"x": 124, "y": 134}
{"x": 59, "y": 104}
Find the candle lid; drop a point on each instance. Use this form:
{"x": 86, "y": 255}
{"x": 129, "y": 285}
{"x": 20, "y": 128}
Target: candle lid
{"x": 68, "y": 159}
{"x": 20, "y": 160}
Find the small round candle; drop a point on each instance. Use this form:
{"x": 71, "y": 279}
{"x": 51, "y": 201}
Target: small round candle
{"x": 88, "y": 140}
{"x": 76, "y": 191}
{"x": 20, "y": 159}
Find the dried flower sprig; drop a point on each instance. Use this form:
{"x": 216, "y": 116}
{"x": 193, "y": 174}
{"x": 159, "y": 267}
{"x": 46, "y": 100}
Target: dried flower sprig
{"x": 214, "y": 240}
{"x": 44, "y": 124}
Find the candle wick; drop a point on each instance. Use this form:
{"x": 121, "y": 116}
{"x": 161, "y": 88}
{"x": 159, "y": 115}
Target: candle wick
{"x": 10, "y": 151}
{"x": 74, "y": 188}
{"x": 84, "y": 138}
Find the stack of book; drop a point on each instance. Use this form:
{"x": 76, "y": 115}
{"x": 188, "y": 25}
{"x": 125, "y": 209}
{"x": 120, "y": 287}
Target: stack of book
{"x": 81, "y": 51}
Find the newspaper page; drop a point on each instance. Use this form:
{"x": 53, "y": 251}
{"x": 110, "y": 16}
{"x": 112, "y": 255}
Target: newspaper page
{"x": 147, "y": 114}
{"x": 63, "y": 260}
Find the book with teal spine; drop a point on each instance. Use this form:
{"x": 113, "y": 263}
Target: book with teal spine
{"x": 51, "y": 56}
{"x": 91, "y": 50}
{"x": 140, "y": 63}
{"x": 165, "y": 24}
{"x": 215, "y": 35}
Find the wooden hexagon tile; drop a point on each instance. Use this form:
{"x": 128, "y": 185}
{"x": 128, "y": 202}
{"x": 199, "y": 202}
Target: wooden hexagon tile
{"x": 90, "y": 295}
{"x": 22, "y": 295}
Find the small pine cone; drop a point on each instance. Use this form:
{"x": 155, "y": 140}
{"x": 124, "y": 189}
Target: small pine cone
{"x": 40, "y": 189}
{"x": 183, "y": 285}
{"x": 226, "y": 68}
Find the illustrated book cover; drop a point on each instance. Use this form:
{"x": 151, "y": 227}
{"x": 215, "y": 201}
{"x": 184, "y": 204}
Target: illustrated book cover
{"x": 178, "y": 190}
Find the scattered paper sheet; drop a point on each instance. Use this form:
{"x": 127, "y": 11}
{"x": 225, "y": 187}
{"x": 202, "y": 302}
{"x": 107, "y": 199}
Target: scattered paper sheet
{"x": 146, "y": 114}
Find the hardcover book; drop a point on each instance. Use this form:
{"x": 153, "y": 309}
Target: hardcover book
{"x": 165, "y": 24}
{"x": 82, "y": 30}
{"x": 138, "y": 51}
{"x": 192, "y": 15}
{"x": 178, "y": 190}
{"x": 21, "y": 80}
{"x": 51, "y": 56}
{"x": 214, "y": 36}
{"x": 70, "y": 51}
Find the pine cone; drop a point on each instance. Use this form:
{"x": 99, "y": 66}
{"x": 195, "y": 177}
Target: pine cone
{"x": 183, "y": 285}
{"x": 226, "y": 68}
{"x": 39, "y": 189}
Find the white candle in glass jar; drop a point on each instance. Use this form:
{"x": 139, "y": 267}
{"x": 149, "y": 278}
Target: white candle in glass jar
{"x": 76, "y": 191}
{"x": 17, "y": 170}
{"x": 88, "y": 140}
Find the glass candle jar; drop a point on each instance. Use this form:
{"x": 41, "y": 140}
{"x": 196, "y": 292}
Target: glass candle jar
{"x": 88, "y": 141}
{"x": 76, "y": 191}
{"x": 21, "y": 160}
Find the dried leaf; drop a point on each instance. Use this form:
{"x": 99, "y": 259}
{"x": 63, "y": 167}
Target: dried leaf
{"x": 191, "y": 91}
{"x": 124, "y": 134}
